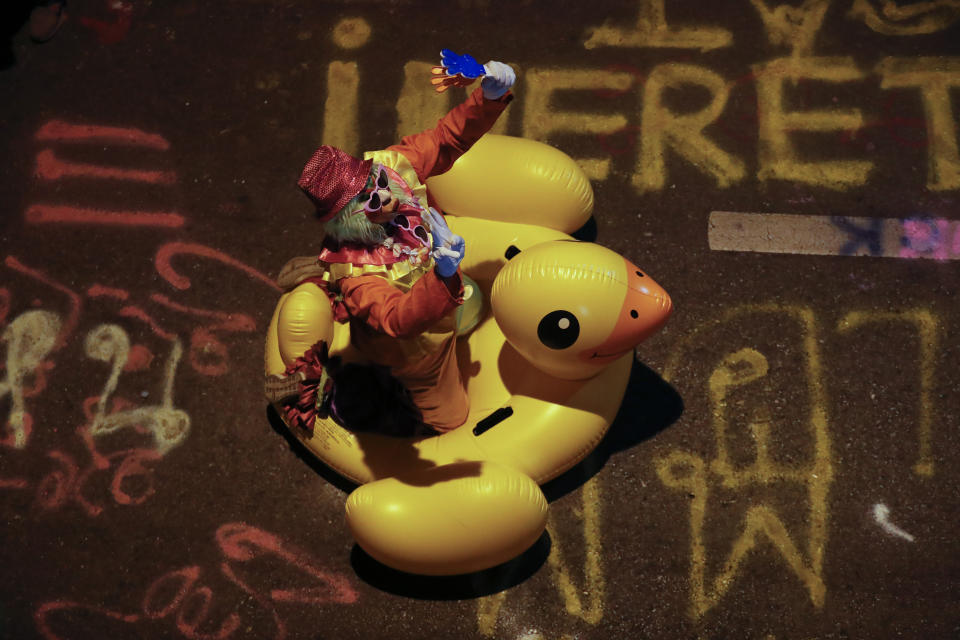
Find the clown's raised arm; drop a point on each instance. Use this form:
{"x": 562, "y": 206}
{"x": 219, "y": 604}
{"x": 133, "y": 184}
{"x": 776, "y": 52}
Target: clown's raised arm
{"x": 434, "y": 151}
{"x": 388, "y": 264}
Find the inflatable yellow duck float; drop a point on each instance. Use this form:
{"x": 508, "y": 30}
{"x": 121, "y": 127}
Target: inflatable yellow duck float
{"x": 545, "y": 351}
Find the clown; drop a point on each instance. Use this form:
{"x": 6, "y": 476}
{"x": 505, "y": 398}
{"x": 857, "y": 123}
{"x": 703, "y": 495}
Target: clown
{"x": 390, "y": 265}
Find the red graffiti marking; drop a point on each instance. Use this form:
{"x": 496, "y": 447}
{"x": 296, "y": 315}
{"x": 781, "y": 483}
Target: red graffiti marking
{"x": 50, "y": 167}
{"x": 171, "y": 249}
{"x": 48, "y": 608}
{"x": 908, "y": 132}
{"x": 133, "y": 466}
{"x": 208, "y": 355}
{"x": 13, "y": 483}
{"x": 183, "y": 596}
{"x": 143, "y": 316}
{"x": 620, "y": 141}
{"x": 228, "y": 321}
{"x": 68, "y": 482}
{"x": 140, "y": 358}
{"x": 73, "y": 316}
{"x": 11, "y": 437}
{"x": 179, "y": 581}
{"x": 243, "y": 543}
{"x": 130, "y": 482}
{"x": 229, "y": 208}
{"x": 180, "y": 596}
{"x": 116, "y": 31}
{"x": 43, "y": 214}
{"x": 57, "y": 486}
{"x": 101, "y": 291}
{"x": 60, "y": 131}
{"x": 203, "y": 342}
{"x": 4, "y": 304}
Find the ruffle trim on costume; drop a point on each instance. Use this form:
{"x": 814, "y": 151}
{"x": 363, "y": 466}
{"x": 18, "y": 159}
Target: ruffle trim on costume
{"x": 395, "y": 255}
{"x": 315, "y": 388}
{"x": 399, "y": 163}
{"x": 357, "y": 253}
{"x": 401, "y": 274}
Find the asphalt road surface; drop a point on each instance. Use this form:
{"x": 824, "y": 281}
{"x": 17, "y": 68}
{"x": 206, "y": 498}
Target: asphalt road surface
{"x": 783, "y": 463}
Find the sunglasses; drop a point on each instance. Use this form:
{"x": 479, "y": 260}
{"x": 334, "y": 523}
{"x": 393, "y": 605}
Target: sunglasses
{"x": 404, "y": 223}
{"x": 371, "y": 200}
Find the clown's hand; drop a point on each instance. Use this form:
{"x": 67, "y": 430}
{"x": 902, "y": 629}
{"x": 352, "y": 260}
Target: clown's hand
{"x": 498, "y": 80}
{"x": 448, "y": 247}
{"x": 455, "y": 70}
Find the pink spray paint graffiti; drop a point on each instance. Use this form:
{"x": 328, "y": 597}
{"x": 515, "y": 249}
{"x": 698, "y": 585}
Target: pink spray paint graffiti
{"x": 52, "y": 168}
{"x": 184, "y": 596}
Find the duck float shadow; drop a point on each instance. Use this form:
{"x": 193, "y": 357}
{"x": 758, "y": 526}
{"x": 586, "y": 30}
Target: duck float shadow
{"x": 545, "y": 352}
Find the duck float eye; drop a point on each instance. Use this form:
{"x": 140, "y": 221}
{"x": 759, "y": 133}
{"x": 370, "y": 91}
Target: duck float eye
{"x": 558, "y": 329}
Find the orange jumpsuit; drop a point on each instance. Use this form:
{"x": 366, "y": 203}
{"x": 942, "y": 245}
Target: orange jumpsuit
{"x": 413, "y": 331}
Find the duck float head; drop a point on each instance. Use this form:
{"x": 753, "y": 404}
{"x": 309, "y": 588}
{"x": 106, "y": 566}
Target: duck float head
{"x": 571, "y": 308}
{"x": 545, "y": 362}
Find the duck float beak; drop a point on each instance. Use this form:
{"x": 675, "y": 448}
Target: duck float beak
{"x": 645, "y": 309}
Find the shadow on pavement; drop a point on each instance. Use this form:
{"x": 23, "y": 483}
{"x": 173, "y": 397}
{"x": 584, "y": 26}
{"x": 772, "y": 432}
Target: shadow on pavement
{"x": 459, "y": 587}
{"x": 650, "y": 405}
{"x": 588, "y": 232}
{"x": 306, "y": 456}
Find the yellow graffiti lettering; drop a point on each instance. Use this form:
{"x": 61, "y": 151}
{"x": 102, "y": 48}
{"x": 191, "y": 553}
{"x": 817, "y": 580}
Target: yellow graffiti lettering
{"x": 652, "y": 30}
{"x": 685, "y": 472}
{"x": 541, "y": 120}
{"x": 926, "y": 325}
{"x": 419, "y": 106}
{"x": 351, "y": 33}
{"x": 593, "y": 569}
{"x": 168, "y": 425}
{"x": 777, "y": 156}
{"x": 683, "y": 133}
{"x": 935, "y": 77}
{"x": 30, "y": 337}
{"x": 748, "y": 369}
{"x": 793, "y": 27}
{"x": 488, "y": 611}
{"x": 591, "y": 610}
{"x": 341, "y": 110}
{"x": 340, "y": 126}
{"x": 916, "y": 18}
